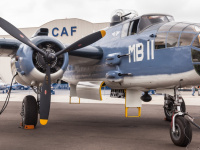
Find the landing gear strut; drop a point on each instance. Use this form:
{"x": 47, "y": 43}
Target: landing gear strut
{"x": 170, "y": 107}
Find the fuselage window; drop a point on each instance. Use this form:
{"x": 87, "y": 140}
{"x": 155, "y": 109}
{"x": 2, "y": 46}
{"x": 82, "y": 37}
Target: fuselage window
{"x": 160, "y": 40}
{"x": 195, "y": 56}
{"x": 125, "y": 30}
{"x": 172, "y": 40}
{"x": 186, "y": 39}
{"x": 133, "y": 27}
{"x": 196, "y": 42}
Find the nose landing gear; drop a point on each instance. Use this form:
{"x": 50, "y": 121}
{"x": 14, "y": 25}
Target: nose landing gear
{"x": 170, "y": 107}
{"x": 180, "y": 130}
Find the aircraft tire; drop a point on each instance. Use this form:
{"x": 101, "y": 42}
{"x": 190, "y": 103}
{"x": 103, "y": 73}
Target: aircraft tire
{"x": 183, "y": 108}
{"x": 29, "y": 111}
{"x": 183, "y": 132}
{"x": 170, "y": 110}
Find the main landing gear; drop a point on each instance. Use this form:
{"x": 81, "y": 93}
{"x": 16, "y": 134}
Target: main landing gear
{"x": 30, "y": 110}
{"x": 180, "y": 130}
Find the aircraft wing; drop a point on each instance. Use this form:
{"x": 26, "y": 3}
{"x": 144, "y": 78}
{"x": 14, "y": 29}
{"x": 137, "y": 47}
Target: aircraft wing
{"x": 8, "y": 47}
{"x": 85, "y": 56}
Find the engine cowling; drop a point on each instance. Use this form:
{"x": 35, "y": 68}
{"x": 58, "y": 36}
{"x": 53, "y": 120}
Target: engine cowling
{"x": 30, "y": 65}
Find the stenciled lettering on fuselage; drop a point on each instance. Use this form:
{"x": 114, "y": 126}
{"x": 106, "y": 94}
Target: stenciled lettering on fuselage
{"x": 136, "y": 51}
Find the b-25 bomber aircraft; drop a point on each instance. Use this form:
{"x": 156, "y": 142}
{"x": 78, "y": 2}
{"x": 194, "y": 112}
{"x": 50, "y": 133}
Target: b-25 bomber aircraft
{"x": 133, "y": 55}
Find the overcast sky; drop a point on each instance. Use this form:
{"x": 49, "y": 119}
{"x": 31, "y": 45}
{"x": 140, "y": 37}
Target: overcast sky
{"x": 34, "y": 13}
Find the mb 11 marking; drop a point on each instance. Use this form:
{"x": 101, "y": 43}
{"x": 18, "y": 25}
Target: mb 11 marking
{"x": 136, "y": 51}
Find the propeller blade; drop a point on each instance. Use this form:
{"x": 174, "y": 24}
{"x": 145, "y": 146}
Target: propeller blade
{"x": 12, "y": 30}
{"x": 83, "y": 42}
{"x": 45, "y": 97}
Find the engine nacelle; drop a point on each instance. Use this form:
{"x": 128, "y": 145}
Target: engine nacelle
{"x": 30, "y": 65}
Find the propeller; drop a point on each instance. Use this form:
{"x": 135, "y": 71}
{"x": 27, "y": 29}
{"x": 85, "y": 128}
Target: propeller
{"x": 45, "y": 96}
{"x": 87, "y": 40}
{"x": 16, "y": 33}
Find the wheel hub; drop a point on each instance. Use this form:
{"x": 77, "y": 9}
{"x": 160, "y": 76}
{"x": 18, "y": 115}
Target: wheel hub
{"x": 170, "y": 109}
{"x": 177, "y": 133}
{"x": 22, "y": 113}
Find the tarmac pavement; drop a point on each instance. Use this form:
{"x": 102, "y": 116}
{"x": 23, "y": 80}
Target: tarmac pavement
{"x": 93, "y": 126}
{"x": 63, "y": 96}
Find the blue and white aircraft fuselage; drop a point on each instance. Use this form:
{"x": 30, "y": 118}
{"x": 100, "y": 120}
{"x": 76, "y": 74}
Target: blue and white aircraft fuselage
{"x": 151, "y": 64}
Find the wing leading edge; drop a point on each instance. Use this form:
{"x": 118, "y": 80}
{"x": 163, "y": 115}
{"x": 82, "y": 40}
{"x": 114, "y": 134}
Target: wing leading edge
{"x": 8, "y": 47}
{"x": 85, "y": 56}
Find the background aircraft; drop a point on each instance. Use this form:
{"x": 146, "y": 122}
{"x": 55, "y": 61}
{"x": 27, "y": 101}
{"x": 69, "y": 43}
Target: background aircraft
{"x": 3, "y": 85}
{"x": 138, "y": 53}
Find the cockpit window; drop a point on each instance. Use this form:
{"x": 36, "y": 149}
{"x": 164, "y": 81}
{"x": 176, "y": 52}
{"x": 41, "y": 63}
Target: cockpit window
{"x": 147, "y": 21}
{"x": 125, "y": 30}
{"x": 129, "y": 28}
{"x": 170, "y": 18}
{"x": 133, "y": 27}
